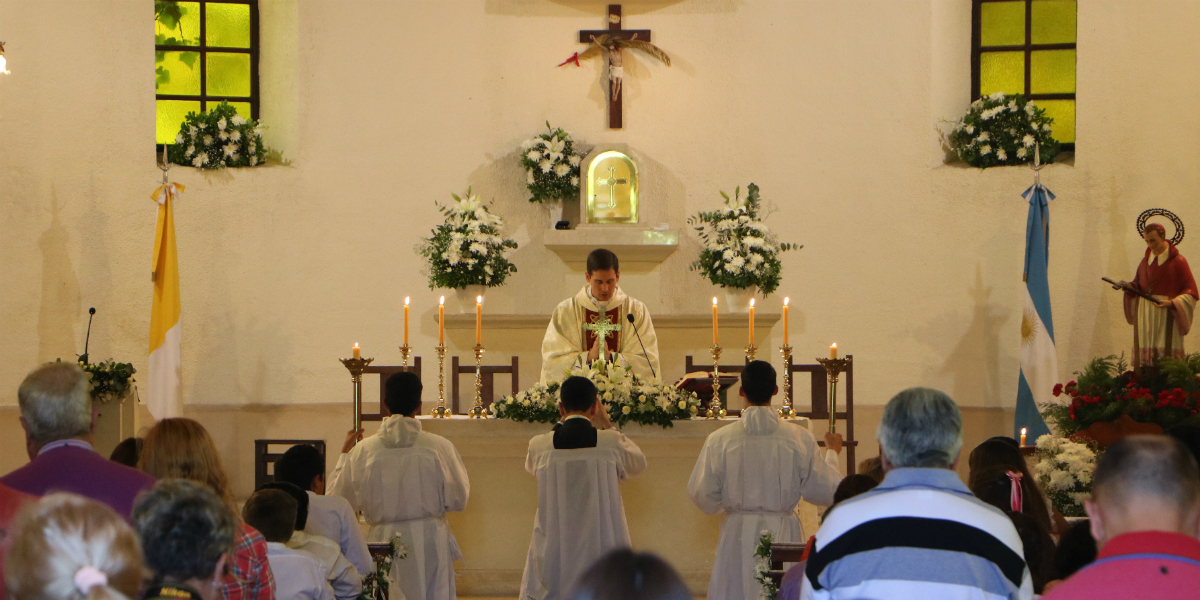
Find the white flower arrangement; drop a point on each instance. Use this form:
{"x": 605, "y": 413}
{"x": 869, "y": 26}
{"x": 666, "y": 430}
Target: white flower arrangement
{"x": 551, "y": 166}
{"x": 762, "y": 565}
{"x": 1003, "y": 130}
{"x": 218, "y": 139}
{"x": 375, "y": 585}
{"x": 1064, "y": 472}
{"x": 468, "y": 248}
{"x": 739, "y": 251}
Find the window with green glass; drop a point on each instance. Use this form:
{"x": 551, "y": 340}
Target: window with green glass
{"x": 205, "y": 52}
{"x": 1028, "y": 47}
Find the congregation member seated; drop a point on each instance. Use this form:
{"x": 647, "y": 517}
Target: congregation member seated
{"x": 871, "y": 467}
{"x": 755, "y": 472}
{"x": 1004, "y": 455}
{"x": 1038, "y": 548}
{"x": 182, "y": 449}
{"x": 298, "y": 574}
{"x": 342, "y": 576}
{"x": 127, "y": 452}
{"x": 1189, "y": 436}
{"x": 67, "y": 547}
{"x": 627, "y": 575}
{"x": 1145, "y": 515}
{"x": 920, "y": 533}
{"x": 58, "y": 418}
{"x": 328, "y": 516}
{"x": 580, "y": 515}
{"x": 1076, "y": 550}
{"x": 793, "y": 578}
{"x": 186, "y": 533}
{"x": 10, "y": 502}
{"x": 405, "y": 480}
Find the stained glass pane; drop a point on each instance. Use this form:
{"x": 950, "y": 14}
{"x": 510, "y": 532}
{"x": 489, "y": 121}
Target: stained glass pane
{"x": 1003, "y": 24}
{"x": 1063, "y": 113}
{"x": 243, "y": 108}
{"x": 228, "y": 74}
{"x": 1053, "y": 22}
{"x": 228, "y": 25}
{"x": 170, "y": 117}
{"x": 1052, "y": 72}
{"x": 177, "y": 73}
{"x": 178, "y": 28}
{"x": 1001, "y": 72}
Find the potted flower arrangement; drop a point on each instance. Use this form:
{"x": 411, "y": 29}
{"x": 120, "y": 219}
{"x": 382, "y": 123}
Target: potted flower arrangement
{"x": 218, "y": 139}
{"x": 1003, "y": 130}
{"x": 740, "y": 253}
{"x": 375, "y": 584}
{"x": 551, "y": 169}
{"x": 1064, "y": 471}
{"x": 467, "y": 252}
{"x": 762, "y": 565}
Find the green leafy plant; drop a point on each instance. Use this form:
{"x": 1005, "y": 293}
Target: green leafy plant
{"x": 169, "y": 14}
{"x": 217, "y": 139}
{"x": 468, "y": 248}
{"x": 739, "y": 250}
{"x": 1166, "y": 394}
{"x": 551, "y": 166}
{"x": 1003, "y": 130}
{"x": 110, "y": 380}
{"x": 762, "y": 565}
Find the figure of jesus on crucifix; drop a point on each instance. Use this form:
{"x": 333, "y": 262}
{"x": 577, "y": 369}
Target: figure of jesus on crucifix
{"x": 595, "y": 324}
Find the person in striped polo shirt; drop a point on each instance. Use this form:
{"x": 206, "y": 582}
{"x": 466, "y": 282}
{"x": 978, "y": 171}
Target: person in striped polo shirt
{"x": 920, "y": 533}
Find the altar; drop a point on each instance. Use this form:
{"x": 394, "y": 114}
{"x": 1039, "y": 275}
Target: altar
{"x": 495, "y": 529}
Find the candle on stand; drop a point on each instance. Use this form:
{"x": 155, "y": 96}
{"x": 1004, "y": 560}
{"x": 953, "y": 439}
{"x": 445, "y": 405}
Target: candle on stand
{"x": 715, "y": 337}
{"x": 478, "y": 320}
{"x": 752, "y": 321}
{"x": 833, "y": 352}
{"x": 357, "y": 351}
{"x": 406, "y": 320}
{"x": 1022, "y": 436}
{"x": 785, "y": 320}
{"x": 442, "y": 321}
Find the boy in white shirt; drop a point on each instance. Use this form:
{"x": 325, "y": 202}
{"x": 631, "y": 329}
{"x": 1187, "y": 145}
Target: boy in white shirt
{"x": 298, "y": 574}
{"x": 343, "y": 577}
{"x": 328, "y": 516}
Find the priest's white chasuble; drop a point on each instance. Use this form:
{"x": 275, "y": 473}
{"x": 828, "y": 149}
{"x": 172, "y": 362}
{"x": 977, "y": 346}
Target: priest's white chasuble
{"x": 567, "y": 340}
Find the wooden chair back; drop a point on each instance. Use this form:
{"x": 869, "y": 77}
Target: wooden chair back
{"x": 384, "y": 372}
{"x": 781, "y": 553}
{"x": 487, "y": 378}
{"x": 266, "y": 452}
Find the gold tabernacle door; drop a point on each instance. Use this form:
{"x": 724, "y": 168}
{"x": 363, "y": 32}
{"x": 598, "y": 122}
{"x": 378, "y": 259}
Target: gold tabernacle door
{"x": 612, "y": 189}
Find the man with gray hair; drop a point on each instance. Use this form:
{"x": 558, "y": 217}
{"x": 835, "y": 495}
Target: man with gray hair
{"x": 1145, "y": 517}
{"x": 58, "y": 419}
{"x": 920, "y": 533}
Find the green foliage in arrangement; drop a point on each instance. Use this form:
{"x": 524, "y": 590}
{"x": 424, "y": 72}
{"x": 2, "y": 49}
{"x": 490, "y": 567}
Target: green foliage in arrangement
{"x": 468, "y": 248}
{"x": 739, "y": 250}
{"x": 217, "y": 139}
{"x": 1003, "y": 130}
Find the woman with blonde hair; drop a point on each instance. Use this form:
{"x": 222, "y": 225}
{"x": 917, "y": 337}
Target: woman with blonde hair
{"x": 182, "y": 449}
{"x": 66, "y": 547}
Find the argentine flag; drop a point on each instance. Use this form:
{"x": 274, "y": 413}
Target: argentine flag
{"x": 164, "y": 374}
{"x": 1039, "y": 361}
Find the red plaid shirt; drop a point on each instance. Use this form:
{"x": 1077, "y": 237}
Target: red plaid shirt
{"x": 250, "y": 577}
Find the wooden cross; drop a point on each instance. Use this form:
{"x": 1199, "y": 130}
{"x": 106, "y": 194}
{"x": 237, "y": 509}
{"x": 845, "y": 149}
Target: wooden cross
{"x": 603, "y": 327}
{"x": 614, "y": 30}
{"x": 611, "y": 183}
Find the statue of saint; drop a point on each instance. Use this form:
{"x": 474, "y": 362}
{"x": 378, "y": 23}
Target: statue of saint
{"x": 1164, "y": 275}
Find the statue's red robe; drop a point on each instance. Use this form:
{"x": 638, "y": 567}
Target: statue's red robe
{"x": 1159, "y": 331}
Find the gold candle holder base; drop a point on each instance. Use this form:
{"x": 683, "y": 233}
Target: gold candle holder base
{"x": 356, "y": 366}
{"x": 440, "y": 411}
{"x": 720, "y": 412}
{"x": 751, "y": 351}
{"x": 787, "y": 412}
{"x": 476, "y": 411}
{"x": 405, "y": 350}
{"x": 834, "y": 367}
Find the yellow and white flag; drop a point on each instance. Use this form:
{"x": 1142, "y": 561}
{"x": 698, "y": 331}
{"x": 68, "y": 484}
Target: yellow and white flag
{"x": 165, "y": 372}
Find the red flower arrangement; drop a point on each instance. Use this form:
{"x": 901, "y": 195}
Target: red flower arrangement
{"x": 1166, "y": 394}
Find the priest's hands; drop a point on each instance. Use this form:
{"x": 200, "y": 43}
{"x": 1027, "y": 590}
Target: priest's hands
{"x": 594, "y": 351}
{"x": 352, "y": 438}
{"x": 833, "y": 441}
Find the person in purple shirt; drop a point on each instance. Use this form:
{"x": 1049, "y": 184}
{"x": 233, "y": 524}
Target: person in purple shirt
{"x": 57, "y": 416}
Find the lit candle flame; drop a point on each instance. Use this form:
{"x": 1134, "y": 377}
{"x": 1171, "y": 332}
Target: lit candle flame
{"x": 442, "y": 300}
{"x": 406, "y": 300}
{"x": 785, "y": 300}
{"x": 714, "y": 300}
{"x": 752, "y": 302}
{"x": 478, "y": 299}
{"x": 1022, "y": 431}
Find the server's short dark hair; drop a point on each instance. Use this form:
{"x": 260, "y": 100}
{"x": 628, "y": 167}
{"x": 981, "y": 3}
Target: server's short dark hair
{"x": 577, "y": 394}
{"x": 758, "y": 381}
{"x": 601, "y": 259}
{"x": 272, "y": 513}
{"x": 403, "y": 393}
{"x": 297, "y": 494}
{"x": 300, "y": 465}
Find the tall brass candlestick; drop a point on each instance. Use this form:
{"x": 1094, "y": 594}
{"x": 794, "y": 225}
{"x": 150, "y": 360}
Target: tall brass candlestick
{"x": 787, "y": 412}
{"x": 834, "y": 367}
{"x": 440, "y": 411}
{"x": 476, "y": 411}
{"x": 356, "y": 367}
{"x": 405, "y": 350}
{"x": 751, "y": 351}
{"x": 720, "y": 413}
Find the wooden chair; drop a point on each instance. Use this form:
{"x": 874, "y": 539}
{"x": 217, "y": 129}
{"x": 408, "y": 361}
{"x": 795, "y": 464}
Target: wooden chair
{"x": 487, "y": 378}
{"x": 264, "y": 458}
{"x": 783, "y": 552}
{"x": 733, "y": 408}
{"x": 819, "y": 390}
{"x": 384, "y": 372}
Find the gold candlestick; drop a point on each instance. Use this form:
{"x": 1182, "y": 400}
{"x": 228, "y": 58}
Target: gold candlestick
{"x": 720, "y": 413}
{"x": 440, "y": 411}
{"x": 405, "y": 350}
{"x": 356, "y": 367}
{"x": 476, "y": 411}
{"x": 751, "y": 351}
{"x": 787, "y": 412}
{"x": 834, "y": 367}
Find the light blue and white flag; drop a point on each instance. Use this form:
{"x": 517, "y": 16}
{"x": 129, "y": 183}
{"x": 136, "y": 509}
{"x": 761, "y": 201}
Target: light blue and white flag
{"x": 1039, "y": 361}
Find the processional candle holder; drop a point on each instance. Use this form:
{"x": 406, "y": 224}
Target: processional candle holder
{"x": 476, "y": 411}
{"x": 356, "y": 366}
{"x": 405, "y": 350}
{"x": 787, "y": 412}
{"x": 720, "y": 412}
{"x": 440, "y": 411}
{"x": 834, "y": 368}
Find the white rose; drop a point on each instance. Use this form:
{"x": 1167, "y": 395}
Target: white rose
{"x": 608, "y": 396}
{"x": 682, "y": 405}
{"x": 625, "y": 410}
{"x": 524, "y": 403}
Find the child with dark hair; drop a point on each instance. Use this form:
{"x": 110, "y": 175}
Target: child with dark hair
{"x": 328, "y": 516}
{"x": 342, "y": 576}
{"x": 298, "y": 574}
{"x": 628, "y": 575}
{"x": 1076, "y": 549}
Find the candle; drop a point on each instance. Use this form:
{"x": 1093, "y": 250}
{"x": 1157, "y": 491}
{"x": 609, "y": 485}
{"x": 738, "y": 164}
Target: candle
{"x": 357, "y": 351}
{"x": 1022, "y": 436}
{"x": 715, "y": 338}
{"x": 785, "y": 321}
{"x": 752, "y": 321}
{"x": 406, "y": 320}
{"x": 478, "y": 320}
{"x": 833, "y": 352}
{"x": 442, "y": 321}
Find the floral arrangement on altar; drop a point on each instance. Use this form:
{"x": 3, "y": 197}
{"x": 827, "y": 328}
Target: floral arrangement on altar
{"x": 762, "y": 565}
{"x": 1107, "y": 390}
{"x": 1064, "y": 471}
{"x": 739, "y": 250}
{"x": 1003, "y": 130}
{"x": 551, "y": 166}
{"x": 217, "y": 139}
{"x": 375, "y": 585}
{"x": 626, "y": 397}
{"x": 467, "y": 249}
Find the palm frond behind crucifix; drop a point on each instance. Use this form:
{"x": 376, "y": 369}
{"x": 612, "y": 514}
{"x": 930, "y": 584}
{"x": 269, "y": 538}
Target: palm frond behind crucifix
{"x": 609, "y": 43}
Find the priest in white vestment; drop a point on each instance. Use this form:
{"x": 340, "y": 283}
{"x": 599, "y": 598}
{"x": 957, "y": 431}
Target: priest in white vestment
{"x": 600, "y": 311}
{"x": 580, "y": 515}
{"x": 756, "y": 471}
{"x": 405, "y": 480}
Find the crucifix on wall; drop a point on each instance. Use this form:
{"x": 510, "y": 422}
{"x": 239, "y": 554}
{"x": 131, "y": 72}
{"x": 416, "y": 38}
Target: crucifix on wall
{"x": 609, "y": 43}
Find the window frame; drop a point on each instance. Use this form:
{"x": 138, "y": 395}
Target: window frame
{"x": 977, "y": 50}
{"x": 203, "y": 49}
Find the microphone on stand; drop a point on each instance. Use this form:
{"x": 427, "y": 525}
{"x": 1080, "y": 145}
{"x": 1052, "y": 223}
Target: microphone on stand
{"x": 629, "y": 317}
{"x": 83, "y": 358}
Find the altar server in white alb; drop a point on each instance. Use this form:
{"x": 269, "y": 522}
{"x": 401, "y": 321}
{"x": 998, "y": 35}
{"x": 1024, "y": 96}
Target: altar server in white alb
{"x": 756, "y": 471}
{"x": 404, "y": 481}
{"x": 600, "y": 311}
{"x": 580, "y": 516}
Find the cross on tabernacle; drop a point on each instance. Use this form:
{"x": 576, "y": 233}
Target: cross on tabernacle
{"x": 611, "y": 183}
{"x": 614, "y": 30}
{"x": 602, "y": 327}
